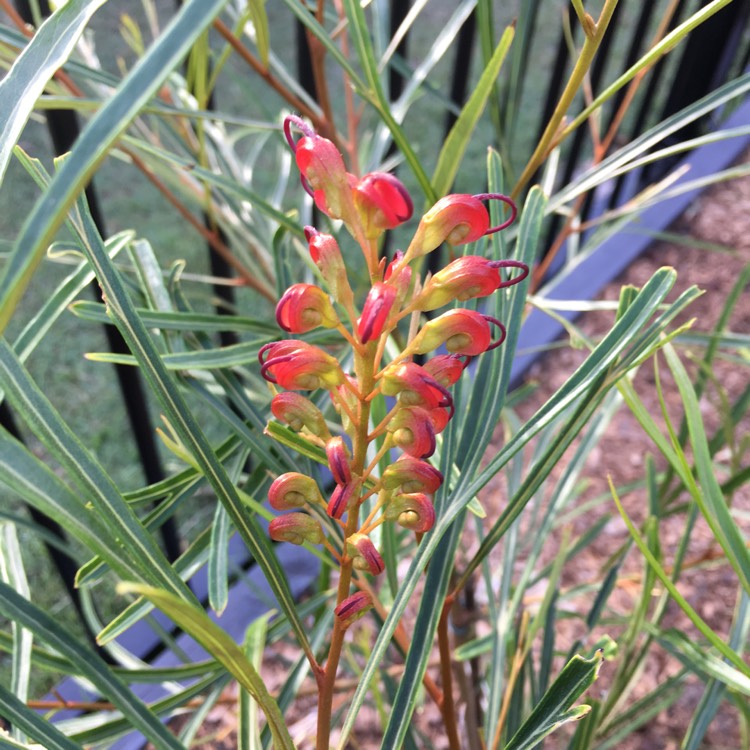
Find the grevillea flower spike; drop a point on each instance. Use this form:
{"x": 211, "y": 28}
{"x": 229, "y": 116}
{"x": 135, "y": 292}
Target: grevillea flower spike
{"x": 376, "y": 466}
{"x": 385, "y": 412}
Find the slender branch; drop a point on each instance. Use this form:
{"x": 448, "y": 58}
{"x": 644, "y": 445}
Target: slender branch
{"x": 583, "y": 17}
{"x": 448, "y": 707}
{"x": 318, "y": 60}
{"x": 400, "y": 637}
{"x": 247, "y": 277}
{"x": 352, "y": 118}
{"x": 635, "y": 83}
{"x": 383, "y": 498}
{"x": 292, "y": 99}
{"x": 552, "y": 133}
{"x": 601, "y": 147}
{"x": 387, "y": 445}
{"x": 342, "y": 403}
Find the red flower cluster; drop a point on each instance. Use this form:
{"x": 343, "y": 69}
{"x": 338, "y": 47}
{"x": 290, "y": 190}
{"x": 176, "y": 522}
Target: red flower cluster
{"x": 368, "y": 206}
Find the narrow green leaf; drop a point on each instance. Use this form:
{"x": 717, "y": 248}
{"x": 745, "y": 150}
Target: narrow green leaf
{"x": 716, "y": 689}
{"x": 96, "y": 312}
{"x": 286, "y": 436}
{"x": 194, "y": 621}
{"x": 598, "y": 362}
{"x": 707, "y": 632}
{"x": 423, "y": 636}
{"x": 257, "y": 10}
{"x": 24, "y": 474}
{"x": 709, "y": 497}
{"x": 460, "y": 135}
{"x": 94, "y": 143}
{"x": 92, "y": 666}
{"x": 192, "y": 559}
{"x": 703, "y": 662}
{"x": 110, "y": 728}
{"x": 641, "y": 712}
{"x": 218, "y": 561}
{"x": 59, "y": 299}
{"x": 186, "y": 426}
{"x": 197, "y": 720}
{"x": 32, "y": 723}
{"x": 120, "y": 520}
{"x": 248, "y": 730}
{"x": 38, "y": 62}
{"x": 554, "y": 709}
{"x": 13, "y": 573}
{"x": 554, "y": 450}
{"x": 234, "y": 355}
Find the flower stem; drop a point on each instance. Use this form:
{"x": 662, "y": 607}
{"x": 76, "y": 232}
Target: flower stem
{"x": 448, "y": 707}
{"x": 364, "y": 366}
{"x": 328, "y": 677}
{"x": 245, "y": 54}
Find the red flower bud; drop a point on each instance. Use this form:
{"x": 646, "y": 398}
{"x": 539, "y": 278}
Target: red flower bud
{"x": 293, "y": 490}
{"x": 341, "y": 498}
{"x": 445, "y": 368}
{"x": 413, "y": 432}
{"x": 338, "y": 460}
{"x": 466, "y": 278}
{"x": 299, "y": 366}
{"x": 375, "y": 312}
{"x": 456, "y": 219}
{"x": 440, "y": 418}
{"x": 364, "y": 555}
{"x": 402, "y": 278}
{"x": 416, "y": 386}
{"x": 326, "y": 254}
{"x": 353, "y": 608}
{"x": 412, "y": 475}
{"x": 415, "y": 512}
{"x": 383, "y": 203}
{"x": 299, "y": 412}
{"x": 296, "y": 528}
{"x": 324, "y": 174}
{"x": 346, "y": 395}
{"x": 463, "y": 332}
{"x": 304, "y": 307}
